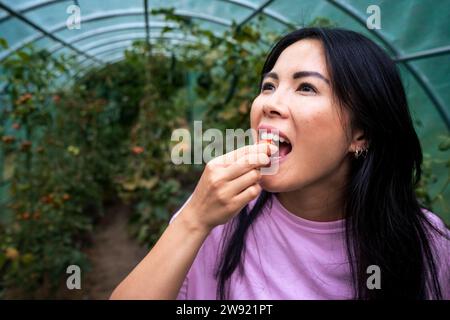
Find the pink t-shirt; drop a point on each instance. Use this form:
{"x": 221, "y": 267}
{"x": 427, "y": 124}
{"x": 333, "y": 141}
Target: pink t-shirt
{"x": 287, "y": 257}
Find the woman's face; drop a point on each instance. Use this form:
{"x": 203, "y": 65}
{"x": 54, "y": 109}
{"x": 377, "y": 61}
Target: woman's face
{"x": 297, "y": 99}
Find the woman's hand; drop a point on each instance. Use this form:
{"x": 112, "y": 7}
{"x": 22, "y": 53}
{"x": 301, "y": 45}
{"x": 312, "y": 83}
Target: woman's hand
{"x": 227, "y": 184}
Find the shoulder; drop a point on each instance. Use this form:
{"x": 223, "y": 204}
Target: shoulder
{"x": 438, "y": 232}
{"x": 436, "y": 222}
{"x": 439, "y": 236}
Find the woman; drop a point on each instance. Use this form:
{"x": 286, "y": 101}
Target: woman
{"x": 339, "y": 220}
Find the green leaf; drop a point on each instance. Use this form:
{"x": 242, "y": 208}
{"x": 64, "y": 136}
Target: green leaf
{"x": 445, "y": 145}
{"x": 4, "y": 43}
{"x": 24, "y": 56}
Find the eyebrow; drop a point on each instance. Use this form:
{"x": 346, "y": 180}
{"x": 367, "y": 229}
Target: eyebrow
{"x": 298, "y": 75}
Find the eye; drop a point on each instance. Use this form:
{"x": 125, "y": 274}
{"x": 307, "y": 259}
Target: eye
{"x": 267, "y": 86}
{"x": 307, "y": 88}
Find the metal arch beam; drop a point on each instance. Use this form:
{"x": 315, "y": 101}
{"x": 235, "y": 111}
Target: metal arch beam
{"x": 60, "y": 27}
{"x": 105, "y": 30}
{"x": 424, "y": 54}
{"x": 107, "y": 60}
{"x": 112, "y": 41}
{"x": 117, "y": 50}
{"x": 89, "y": 64}
{"x": 120, "y": 48}
{"x": 185, "y": 13}
{"x": 114, "y": 57}
{"x": 117, "y": 58}
{"x": 142, "y": 36}
{"x": 99, "y": 53}
{"x": 39, "y": 4}
{"x": 32, "y": 6}
{"x": 135, "y": 37}
{"x": 268, "y": 12}
{"x": 157, "y": 35}
{"x": 421, "y": 79}
{"x": 147, "y": 30}
{"x": 108, "y": 15}
{"x": 202, "y": 16}
{"x": 120, "y": 57}
{"x": 42, "y": 31}
{"x": 107, "y": 44}
{"x": 100, "y": 31}
{"x": 257, "y": 11}
{"x": 104, "y": 50}
{"x": 57, "y": 47}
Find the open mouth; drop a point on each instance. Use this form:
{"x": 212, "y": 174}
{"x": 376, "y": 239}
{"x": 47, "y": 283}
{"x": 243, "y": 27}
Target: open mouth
{"x": 284, "y": 145}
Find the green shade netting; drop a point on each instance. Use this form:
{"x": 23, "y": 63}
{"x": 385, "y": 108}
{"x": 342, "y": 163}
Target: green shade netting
{"x": 108, "y": 28}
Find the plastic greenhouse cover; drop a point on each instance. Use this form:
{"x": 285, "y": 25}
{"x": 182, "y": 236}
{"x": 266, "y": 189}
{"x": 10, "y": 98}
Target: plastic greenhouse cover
{"x": 415, "y": 32}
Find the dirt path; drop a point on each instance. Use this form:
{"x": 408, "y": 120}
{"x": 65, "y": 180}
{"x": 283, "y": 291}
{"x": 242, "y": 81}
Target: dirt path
{"x": 113, "y": 254}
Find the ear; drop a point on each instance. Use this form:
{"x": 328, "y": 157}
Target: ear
{"x": 359, "y": 141}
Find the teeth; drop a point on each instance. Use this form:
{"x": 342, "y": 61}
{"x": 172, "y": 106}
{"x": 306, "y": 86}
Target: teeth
{"x": 274, "y": 137}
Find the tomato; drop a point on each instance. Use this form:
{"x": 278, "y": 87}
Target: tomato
{"x": 137, "y": 150}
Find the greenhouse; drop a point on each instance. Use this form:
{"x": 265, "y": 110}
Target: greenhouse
{"x": 94, "y": 96}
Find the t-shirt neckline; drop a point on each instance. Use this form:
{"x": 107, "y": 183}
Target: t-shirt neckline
{"x": 335, "y": 226}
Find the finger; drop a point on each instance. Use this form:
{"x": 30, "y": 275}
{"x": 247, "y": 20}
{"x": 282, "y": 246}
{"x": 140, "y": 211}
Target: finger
{"x": 248, "y": 194}
{"x": 244, "y": 181}
{"x": 245, "y": 164}
{"x": 264, "y": 147}
{"x": 231, "y": 157}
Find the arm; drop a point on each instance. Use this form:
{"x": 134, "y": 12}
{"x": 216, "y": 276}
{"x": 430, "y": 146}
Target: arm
{"x": 161, "y": 273}
{"x": 227, "y": 184}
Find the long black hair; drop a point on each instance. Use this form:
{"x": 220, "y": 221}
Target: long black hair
{"x": 385, "y": 224}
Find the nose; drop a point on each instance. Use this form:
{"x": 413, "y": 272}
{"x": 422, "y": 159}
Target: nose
{"x": 275, "y": 108}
